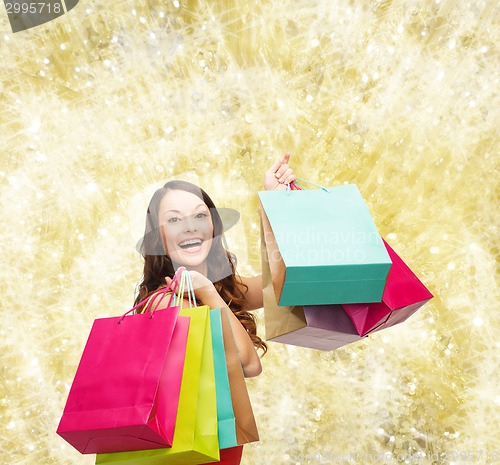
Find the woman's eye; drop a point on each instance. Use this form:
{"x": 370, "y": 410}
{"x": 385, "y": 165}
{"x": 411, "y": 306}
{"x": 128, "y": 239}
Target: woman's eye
{"x": 200, "y": 216}
{"x": 174, "y": 219}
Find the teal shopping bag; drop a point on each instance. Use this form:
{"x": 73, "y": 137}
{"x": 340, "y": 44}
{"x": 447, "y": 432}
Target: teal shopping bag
{"x": 225, "y": 415}
{"x": 323, "y": 246}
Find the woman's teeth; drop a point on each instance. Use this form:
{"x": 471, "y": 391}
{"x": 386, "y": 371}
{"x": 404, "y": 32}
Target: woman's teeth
{"x": 190, "y": 243}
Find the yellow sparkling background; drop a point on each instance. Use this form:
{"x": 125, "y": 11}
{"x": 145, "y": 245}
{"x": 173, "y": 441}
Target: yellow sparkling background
{"x": 102, "y": 105}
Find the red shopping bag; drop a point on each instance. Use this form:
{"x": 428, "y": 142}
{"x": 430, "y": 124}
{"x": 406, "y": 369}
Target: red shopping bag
{"x": 229, "y": 456}
{"x": 403, "y": 295}
{"x": 125, "y": 393}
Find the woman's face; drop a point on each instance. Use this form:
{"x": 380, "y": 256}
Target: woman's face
{"x": 186, "y": 228}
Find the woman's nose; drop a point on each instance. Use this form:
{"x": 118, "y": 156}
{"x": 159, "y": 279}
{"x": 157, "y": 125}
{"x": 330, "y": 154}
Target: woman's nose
{"x": 189, "y": 224}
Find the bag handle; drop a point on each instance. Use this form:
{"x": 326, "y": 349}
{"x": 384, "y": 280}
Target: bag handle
{"x": 172, "y": 287}
{"x": 190, "y": 288}
{"x": 186, "y": 283}
{"x": 297, "y": 186}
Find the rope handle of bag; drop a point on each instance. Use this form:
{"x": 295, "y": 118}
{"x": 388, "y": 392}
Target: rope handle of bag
{"x": 171, "y": 288}
{"x": 298, "y": 186}
{"x": 185, "y": 287}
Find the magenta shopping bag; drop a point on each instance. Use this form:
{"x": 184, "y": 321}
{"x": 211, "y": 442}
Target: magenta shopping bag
{"x": 403, "y": 295}
{"x": 125, "y": 393}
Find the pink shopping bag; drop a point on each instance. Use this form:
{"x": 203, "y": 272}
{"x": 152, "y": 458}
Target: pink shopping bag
{"x": 125, "y": 393}
{"x": 403, "y": 295}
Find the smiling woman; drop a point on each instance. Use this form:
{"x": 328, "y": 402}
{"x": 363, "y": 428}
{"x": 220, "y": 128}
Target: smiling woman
{"x": 184, "y": 228}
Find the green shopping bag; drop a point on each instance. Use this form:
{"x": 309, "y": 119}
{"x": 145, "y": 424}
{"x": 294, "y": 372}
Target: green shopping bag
{"x": 195, "y": 437}
{"x": 323, "y": 246}
{"x": 225, "y": 413}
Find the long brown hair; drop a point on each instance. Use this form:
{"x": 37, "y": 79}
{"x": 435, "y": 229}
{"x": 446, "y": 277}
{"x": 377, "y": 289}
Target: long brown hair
{"x": 158, "y": 265}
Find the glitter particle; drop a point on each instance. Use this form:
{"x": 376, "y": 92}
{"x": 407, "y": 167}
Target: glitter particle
{"x": 478, "y": 321}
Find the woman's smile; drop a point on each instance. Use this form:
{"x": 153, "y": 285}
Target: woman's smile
{"x": 191, "y": 245}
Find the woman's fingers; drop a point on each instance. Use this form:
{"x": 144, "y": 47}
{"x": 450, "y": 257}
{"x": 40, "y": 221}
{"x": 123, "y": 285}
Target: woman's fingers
{"x": 280, "y": 163}
{"x": 275, "y": 166}
{"x": 287, "y": 177}
{"x": 284, "y": 171}
{"x": 285, "y": 174}
{"x": 279, "y": 174}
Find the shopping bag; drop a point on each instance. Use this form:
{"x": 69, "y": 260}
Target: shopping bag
{"x": 125, "y": 391}
{"x": 323, "y": 246}
{"x": 246, "y": 427}
{"x": 404, "y": 294}
{"x": 225, "y": 414}
{"x": 320, "y": 327}
{"x": 195, "y": 437}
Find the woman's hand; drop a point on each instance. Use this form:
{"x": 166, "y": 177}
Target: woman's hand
{"x": 279, "y": 175}
{"x": 204, "y": 289}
